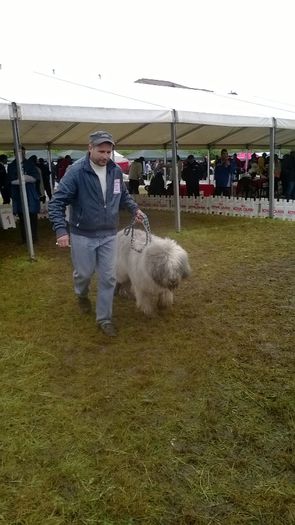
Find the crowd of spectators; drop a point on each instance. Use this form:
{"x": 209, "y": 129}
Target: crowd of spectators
{"x": 229, "y": 174}
{"x": 252, "y": 179}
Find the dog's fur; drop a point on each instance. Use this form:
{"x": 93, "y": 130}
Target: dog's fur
{"x": 153, "y": 273}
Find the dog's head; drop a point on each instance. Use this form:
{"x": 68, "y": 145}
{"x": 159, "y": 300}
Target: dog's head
{"x": 167, "y": 263}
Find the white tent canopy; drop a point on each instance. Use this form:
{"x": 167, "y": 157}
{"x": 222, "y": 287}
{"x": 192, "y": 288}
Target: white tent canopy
{"x": 59, "y": 113}
{"x": 210, "y": 119}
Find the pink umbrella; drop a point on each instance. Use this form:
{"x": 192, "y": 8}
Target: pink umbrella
{"x": 242, "y": 155}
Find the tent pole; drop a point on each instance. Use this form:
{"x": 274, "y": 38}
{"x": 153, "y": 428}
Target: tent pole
{"x": 208, "y": 165}
{"x": 175, "y": 174}
{"x": 49, "y": 158}
{"x": 165, "y": 166}
{"x": 271, "y": 175}
{"x": 246, "y": 161}
{"x": 21, "y": 179}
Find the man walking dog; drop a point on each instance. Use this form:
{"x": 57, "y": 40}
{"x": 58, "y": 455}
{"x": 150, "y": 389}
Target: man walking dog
{"x": 94, "y": 188}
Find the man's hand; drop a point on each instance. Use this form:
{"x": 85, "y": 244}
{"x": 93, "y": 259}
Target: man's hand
{"x": 63, "y": 241}
{"x": 140, "y": 216}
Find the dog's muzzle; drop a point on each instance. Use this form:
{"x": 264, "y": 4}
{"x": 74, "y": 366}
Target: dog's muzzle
{"x": 172, "y": 284}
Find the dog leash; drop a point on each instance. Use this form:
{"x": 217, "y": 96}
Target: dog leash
{"x": 146, "y": 225}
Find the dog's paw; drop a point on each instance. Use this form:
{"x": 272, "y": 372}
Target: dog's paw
{"x": 124, "y": 290}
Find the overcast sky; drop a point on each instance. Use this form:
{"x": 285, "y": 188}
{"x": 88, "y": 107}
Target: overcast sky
{"x": 228, "y": 45}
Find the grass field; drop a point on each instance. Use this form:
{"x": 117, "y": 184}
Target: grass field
{"x": 186, "y": 419}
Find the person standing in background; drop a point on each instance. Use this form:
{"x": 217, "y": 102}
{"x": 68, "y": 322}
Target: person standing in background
{"x": 63, "y": 164}
{"x": 191, "y": 175}
{"x": 135, "y": 174}
{"x": 4, "y": 182}
{"x": 45, "y": 172}
{"x": 223, "y": 175}
{"x": 32, "y": 180}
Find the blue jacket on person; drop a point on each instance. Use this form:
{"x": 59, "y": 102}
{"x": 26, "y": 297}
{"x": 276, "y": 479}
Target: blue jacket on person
{"x": 223, "y": 175}
{"x": 90, "y": 215}
{"x": 32, "y": 178}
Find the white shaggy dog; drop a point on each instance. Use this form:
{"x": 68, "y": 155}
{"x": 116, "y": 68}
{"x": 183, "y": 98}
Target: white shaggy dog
{"x": 152, "y": 271}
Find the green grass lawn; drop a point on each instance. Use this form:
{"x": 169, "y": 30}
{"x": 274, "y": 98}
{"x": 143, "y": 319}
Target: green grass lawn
{"x": 185, "y": 419}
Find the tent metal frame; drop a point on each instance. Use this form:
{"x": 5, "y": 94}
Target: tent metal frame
{"x": 173, "y": 142}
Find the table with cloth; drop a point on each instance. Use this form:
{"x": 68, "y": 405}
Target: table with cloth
{"x": 206, "y": 190}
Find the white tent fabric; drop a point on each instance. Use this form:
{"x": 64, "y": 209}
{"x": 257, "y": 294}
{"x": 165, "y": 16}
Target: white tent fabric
{"x": 60, "y": 113}
{"x": 209, "y": 119}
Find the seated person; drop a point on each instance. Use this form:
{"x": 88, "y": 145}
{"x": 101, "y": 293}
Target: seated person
{"x": 253, "y": 171}
{"x": 245, "y": 187}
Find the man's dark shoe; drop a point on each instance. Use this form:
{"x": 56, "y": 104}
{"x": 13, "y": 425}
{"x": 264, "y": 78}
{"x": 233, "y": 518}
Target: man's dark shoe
{"x": 108, "y": 329}
{"x": 84, "y": 304}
